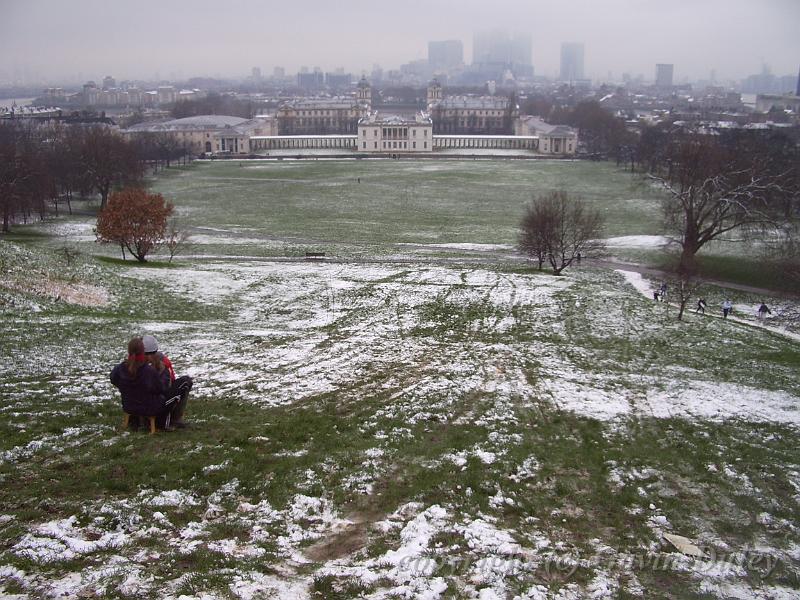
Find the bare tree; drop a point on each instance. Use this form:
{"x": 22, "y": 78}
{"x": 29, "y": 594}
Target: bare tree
{"x": 715, "y": 188}
{"x": 108, "y": 160}
{"x": 175, "y": 239}
{"x": 686, "y": 287}
{"x": 559, "y": 229}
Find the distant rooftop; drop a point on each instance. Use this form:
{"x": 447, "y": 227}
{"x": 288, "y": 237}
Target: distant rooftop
{"x": 376, "y": 118}
{"x": 189, "y": 123}
{"x": 479, "y": 102}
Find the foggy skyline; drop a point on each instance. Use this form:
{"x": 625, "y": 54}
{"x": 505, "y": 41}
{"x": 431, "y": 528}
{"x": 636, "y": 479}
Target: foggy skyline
{"x": 137, "y": 40}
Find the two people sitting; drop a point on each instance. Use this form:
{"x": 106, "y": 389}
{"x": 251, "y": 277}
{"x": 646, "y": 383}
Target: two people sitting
{"x": 148, "y": 386}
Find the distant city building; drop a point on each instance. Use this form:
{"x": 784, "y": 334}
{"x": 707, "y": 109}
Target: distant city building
{"x": 395, "y": 134}
{"x": 522, "y": 54}
{"x": 494, "y": 52}
{"x": 768, "y": 102}
{"x": 279, "y": 72}
{"x": 310, "y": 81}
{"x": 255, "y": 73}
{"x": 448, "y": 54}
{"x": 767, "y": 83}
{"x": 109, "y": 82}
{"x": 664, "y": 76}
{"x": 167, "y": 94}
{"x": 797, "y": 92}
{"x": 338, "y": 80}
{"x": 571, "y": 62}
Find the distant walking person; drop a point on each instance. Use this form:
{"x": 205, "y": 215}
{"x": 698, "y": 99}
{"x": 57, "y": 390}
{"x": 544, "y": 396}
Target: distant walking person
{"x": 701, "y": 306}
{"x": 662, "y": 292}
{"x": 763, "y": 311}
{"x": 727, "y": 308}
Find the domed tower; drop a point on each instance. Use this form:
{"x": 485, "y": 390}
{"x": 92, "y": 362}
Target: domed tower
{"x": 364, "y": 92}
{"x": 434, "y": 92}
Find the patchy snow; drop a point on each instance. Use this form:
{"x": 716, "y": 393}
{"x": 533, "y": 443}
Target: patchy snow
{"x": 637, "y": 241}
{"x": 169, "y": 498}
{"x": 465, "y": 246}
{"x": 718, "y": 401}
{"x": 61, "y": 540}
{"x": 637, "y": 281}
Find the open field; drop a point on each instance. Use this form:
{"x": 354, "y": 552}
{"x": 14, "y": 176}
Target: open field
{"x": 465, "y": 428}
{"x": 396, "y": 201}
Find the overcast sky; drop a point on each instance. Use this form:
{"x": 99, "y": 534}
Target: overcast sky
{"x": 170, "y": 38}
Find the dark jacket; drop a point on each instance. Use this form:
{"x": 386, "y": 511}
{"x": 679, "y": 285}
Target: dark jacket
{"x": 141, "y": 395}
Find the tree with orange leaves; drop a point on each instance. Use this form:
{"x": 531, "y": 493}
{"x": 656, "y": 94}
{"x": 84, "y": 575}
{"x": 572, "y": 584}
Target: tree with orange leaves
{"x": 135, "y": 220}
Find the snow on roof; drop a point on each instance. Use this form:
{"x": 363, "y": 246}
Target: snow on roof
{"x": 479, "y": 102}
{"x": 189, "y": 123}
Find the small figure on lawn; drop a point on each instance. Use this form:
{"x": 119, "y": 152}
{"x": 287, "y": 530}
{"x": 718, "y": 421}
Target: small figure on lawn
{"x": 727, "y": 308}
{"x": 175, "y": 387}
{"x": 662, "y": 292}
{"x": 763, "y": 311}
{"x": 701, "y": 306}
{"x": 655, "y": 295}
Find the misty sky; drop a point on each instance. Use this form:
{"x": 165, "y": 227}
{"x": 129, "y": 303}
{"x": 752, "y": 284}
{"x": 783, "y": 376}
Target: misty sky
{"x": 143, "y": 38}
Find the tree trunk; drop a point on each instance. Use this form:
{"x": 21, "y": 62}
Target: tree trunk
{"x": 687, "y": 267}
{"x": 682, "y": 308}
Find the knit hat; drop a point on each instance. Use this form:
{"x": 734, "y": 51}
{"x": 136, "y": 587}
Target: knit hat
{"x": 150, "y": 344}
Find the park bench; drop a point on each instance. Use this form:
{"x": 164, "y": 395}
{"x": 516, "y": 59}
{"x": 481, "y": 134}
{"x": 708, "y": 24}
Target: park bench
{"x": 315, "y": 255}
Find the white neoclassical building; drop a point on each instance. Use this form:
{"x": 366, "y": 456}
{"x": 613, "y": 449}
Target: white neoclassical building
{"x": 393, "y": 134}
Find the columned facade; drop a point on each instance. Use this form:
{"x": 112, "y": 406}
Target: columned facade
{"x": 484, "y": 142}
{"x": 265, "y": 143}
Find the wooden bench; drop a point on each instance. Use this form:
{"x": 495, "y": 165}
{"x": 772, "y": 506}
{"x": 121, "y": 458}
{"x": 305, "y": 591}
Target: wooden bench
{"x": 315, "y": 255}
{"x": 127, "y": 419}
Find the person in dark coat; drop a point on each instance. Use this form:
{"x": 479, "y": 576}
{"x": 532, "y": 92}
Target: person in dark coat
{"x": 701, "y": 306}
{"x": 763, "y": 311}
{"x": 140, "y": 385}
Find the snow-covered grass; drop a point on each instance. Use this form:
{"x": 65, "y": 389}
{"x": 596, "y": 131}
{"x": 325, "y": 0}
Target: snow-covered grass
{"x": 392, "y": 430}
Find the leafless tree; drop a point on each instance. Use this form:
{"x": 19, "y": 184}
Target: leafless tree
{"x": 559, "y": 229}
{"x": 686, "y": 287}
{"x": 108, "y": 160}
{"x": 175, "y": 239}
{"x": 715, "y": 188}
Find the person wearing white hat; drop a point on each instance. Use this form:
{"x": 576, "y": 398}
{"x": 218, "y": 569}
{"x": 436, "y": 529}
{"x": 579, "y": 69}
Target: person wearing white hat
{"x": 177, "y": 387}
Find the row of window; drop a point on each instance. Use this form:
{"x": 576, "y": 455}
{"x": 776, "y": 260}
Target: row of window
{"x": 324, "y": 112}
{"x": 472, "y": 111}
{"x": 394, "y": 132}
{"x": 395, "y": 145}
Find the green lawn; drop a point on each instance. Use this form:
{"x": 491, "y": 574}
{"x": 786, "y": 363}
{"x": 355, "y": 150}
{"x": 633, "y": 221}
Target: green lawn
{"x": 395, "y": 429}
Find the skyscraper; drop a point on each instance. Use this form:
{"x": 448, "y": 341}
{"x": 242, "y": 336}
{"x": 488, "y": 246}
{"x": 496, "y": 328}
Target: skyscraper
{"x": 521, "y": 49}
{"x": 446, "y": 54}
{"x": 571, "y": 61}
{"x": 797, "y": 93}
{"x": 664, "y": 76}
{"x": 497, "y": 51}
